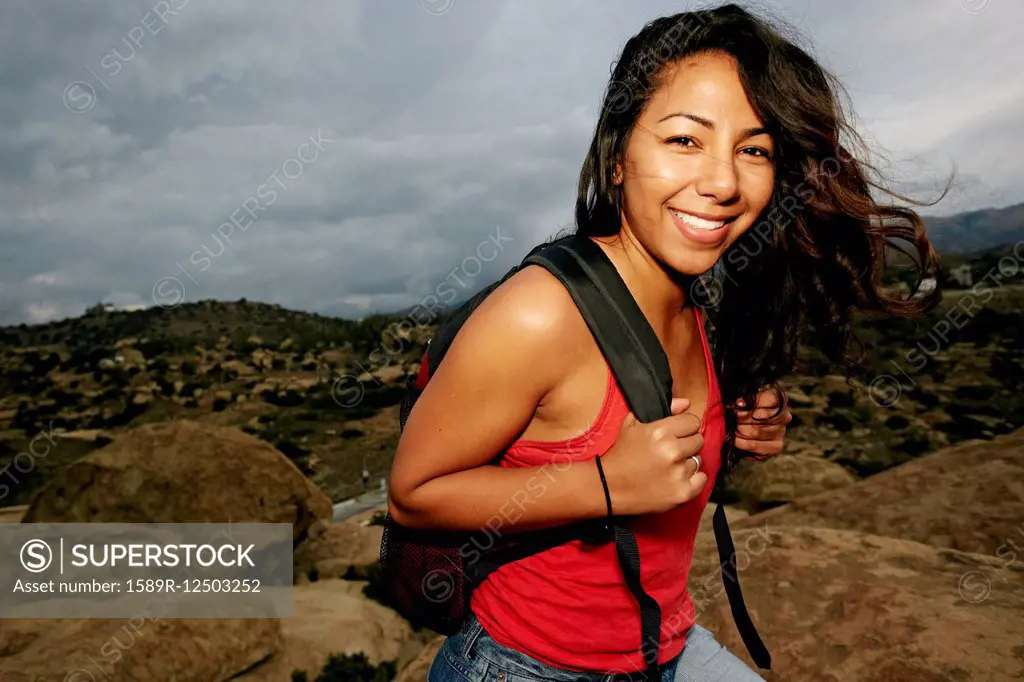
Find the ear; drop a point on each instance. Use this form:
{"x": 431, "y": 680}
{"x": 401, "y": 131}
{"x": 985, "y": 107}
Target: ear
{"x": 617, "y": 174}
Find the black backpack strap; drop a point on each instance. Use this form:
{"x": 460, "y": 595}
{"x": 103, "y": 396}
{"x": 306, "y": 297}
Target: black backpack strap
{"x": 641, "y": 369}
{"x": 731, "y": 580}
{"x": 620, "y": 328}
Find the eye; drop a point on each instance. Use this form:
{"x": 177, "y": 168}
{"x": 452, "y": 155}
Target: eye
{"x": 758, "y": 152}
{"x": 682, "y": 141}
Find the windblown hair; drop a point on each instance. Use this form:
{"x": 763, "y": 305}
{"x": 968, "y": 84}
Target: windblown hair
{"x": 819, "y": 249}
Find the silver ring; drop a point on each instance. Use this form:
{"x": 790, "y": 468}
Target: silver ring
{"x": 696, "y": 458}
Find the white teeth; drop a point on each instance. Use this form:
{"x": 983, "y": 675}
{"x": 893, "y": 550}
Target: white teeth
{"x": 698, "y": 223}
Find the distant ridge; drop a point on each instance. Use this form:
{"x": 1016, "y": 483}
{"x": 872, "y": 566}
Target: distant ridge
{"x": 974, "y": 231}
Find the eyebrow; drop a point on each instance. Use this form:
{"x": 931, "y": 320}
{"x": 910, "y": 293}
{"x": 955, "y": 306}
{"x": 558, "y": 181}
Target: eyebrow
{"x": 710, "y": 125}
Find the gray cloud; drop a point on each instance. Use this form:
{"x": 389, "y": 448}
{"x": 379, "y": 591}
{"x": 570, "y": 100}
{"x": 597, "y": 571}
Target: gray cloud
{"x": 442, "y": 128}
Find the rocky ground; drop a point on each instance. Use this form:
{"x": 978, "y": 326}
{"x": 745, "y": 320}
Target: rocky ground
{"x": 912, "y": 575}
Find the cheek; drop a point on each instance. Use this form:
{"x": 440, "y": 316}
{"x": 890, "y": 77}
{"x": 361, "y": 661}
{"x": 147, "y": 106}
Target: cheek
{"x": 757, "y": 190}
{"x": 652, "y": 183}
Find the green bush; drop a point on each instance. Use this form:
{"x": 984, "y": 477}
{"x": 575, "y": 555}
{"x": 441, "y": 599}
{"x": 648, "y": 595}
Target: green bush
{"x": 897, "y": 422}
{"x": 356, "y": 668}
{"x": 840, "y": 399}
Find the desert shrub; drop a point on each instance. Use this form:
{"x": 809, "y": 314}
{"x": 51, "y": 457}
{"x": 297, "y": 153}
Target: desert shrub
{"x": 356, "y": 668}
{"x": 166, "y": 387}
{"x": 924, "y": 397}
{"x": 837, "y": 420}
{"x": 190, "y": 387}
{"x": 63, "y": 398}
{"x": 288, "y": 398}
{"x": 974, "y": 392}
{"x": 296, "y": 453}
{"x": 863, "y": 412}
{"x": 1007, "y": 369}
{"x": 897, "y": 422}
{"x": 963, "y": 427}
{"x": 914, "y": 443}
{"x": 153, "y": 348}
{"x": 323, "y": 400}
{"x": 840, "y": 399}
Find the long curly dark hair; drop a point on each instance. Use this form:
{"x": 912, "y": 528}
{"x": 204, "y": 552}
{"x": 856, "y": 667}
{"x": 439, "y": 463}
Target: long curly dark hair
{"x": 819, "y": 249}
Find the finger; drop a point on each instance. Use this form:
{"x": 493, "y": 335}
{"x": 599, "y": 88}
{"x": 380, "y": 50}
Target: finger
{"x": 767, "y": 398}
{"x": 683, "y": 449}
{"x": 761, "y": 447}
{"x": 696, "y": 484}
{"x": 679, "y": 405}
{"x": 762, "y": 416}
{"x": 762, "y": 430}
{"x": 692, "y": 465}
{"x": 752, "y": 432}
{"x": 683, "y": 425}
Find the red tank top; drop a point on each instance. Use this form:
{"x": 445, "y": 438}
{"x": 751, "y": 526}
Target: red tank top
{"x": 570, "y": 607}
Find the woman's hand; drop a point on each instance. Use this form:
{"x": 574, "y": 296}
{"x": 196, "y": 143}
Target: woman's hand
{"x": 764, "y": 438}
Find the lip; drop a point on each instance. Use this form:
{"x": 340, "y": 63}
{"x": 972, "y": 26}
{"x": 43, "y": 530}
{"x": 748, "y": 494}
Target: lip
{"x": 708, "y": 237}
{"x": 706, "y": 216}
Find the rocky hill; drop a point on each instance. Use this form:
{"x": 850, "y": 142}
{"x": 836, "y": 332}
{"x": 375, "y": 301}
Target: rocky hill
{"x": 325, "y": 391}
{"x": 977, "y": 230}
{"x": 299, "y": 381}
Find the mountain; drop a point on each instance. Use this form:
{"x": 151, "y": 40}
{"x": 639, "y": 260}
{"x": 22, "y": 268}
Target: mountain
{"x": 976, "y": 230}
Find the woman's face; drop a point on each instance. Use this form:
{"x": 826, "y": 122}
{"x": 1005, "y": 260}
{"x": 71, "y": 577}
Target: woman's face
{"x": 698, "y": 167}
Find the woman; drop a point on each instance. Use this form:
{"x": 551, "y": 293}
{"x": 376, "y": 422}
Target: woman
{"x": 717, "y": 150}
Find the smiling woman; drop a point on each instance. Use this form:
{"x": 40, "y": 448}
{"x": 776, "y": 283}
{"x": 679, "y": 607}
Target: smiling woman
{"x": 715, "y": 131}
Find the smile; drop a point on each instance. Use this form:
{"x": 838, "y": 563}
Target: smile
{"x": 699, "y": 223}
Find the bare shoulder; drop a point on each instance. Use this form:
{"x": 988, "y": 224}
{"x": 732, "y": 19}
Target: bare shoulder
{"x": 513, "y": 351}
{"x": 533, "y": 299}
{"x": 532, "y": 323}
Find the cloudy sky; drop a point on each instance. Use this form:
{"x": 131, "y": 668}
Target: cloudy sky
{"x": 358, "y": 156}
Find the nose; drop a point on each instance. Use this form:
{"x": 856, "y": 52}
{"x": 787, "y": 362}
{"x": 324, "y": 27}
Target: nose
{"x": 717, "y": 180}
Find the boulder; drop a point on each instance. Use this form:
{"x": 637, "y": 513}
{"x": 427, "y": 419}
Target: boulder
{"x": 335, "y": 550}
{"x": 126, "y": 650}
{"x": 182, "y": 472}
{"x": 969, "y": 496}
{"x": 262, "y": 358}
{"x": 13, "y": 514}
{"x": 416, "y": 670}
{"x": 833, "y": 606}
{"x": 333, "y": 616}
{"x": 785, "y": 478}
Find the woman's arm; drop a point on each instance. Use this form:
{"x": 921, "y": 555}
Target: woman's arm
{"x": 515, "y": 348}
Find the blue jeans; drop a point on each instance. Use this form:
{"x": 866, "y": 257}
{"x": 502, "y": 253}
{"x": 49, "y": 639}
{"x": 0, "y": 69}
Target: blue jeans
{"x": 471, "y": 655}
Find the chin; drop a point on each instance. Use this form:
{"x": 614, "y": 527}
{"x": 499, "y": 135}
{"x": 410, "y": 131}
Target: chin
{"x": 689, "y": 262}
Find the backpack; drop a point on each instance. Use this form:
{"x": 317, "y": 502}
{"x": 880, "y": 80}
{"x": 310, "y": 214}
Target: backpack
{"x": 429, "y": 575}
